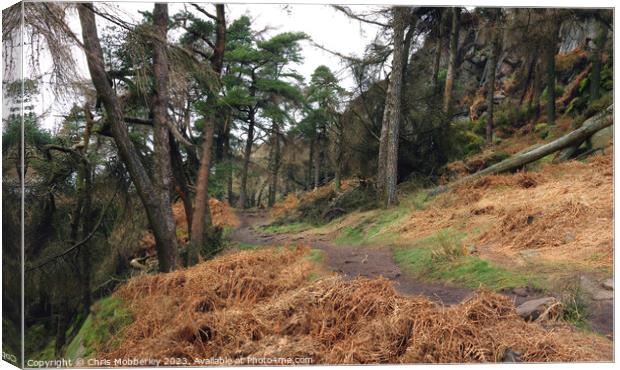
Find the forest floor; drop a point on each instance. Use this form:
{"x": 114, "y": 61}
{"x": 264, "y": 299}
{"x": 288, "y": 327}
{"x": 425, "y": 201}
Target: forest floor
{"x": 374, "y": 261}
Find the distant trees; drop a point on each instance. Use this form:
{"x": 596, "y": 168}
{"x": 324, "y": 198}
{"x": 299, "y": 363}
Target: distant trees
{"x": 258, "y": 76}
{"x": 324, "y": 96}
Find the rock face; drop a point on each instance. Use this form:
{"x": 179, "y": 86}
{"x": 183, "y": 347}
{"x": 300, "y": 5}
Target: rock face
{"x": 531, "y": 310}
{"x": 574, "y": 35}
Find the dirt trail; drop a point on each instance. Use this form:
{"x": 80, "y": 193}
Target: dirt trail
{"x": 377, "y": 261}
{"x": 353, "y": 261}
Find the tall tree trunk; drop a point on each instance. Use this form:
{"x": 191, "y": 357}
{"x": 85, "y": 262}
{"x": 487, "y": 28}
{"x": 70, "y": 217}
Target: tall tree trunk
{"x": 451, "y": 75}
{"x": 165, "y": 237}
{"x": 383, "y": 145}
{"x": 597, "y": 53}
{"x": 407, "y": 46}
{"x": 438, "y": 51}
{"x": 201, "y": 217}
{"x": 491, "y": 81}
{"x": 393, "y": 101}
{"x": 181, "y": 182}
{"x": 317, "y": 158}
{"x": 533, "y": 108}
{"x": 246, "y": 160}
{"x": 529, "y": 73}
{"x": 161, "y": 140}
{"x": 549, "y": 53}
{"x": 310, "y": 181}
{"x": 339, "y": 155}
{"x": 84, "y": 182}
{"x": 228, "y": 157}
{"x": 62, "y": 325}
{"x": 274, "y": 164}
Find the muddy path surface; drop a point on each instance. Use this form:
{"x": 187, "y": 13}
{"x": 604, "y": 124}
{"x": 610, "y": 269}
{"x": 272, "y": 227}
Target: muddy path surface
{"x": 377, "y": 261}
{"x": 353, "y": 261}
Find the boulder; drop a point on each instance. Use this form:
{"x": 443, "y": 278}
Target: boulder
{"x": 531, "y": 310}
{"x": 603, "y": 295}
{"x": 608, "y": 284}
{"x": 511, "y": 356}
{"x": 602, "y": 138}
{"x": 521, "y": 291}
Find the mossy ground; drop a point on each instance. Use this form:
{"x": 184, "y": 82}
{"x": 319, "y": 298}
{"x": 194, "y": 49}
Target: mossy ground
{"x": 103, "y": 327}
{"x": 286, "y": 228}
{"x": 443, "y": 257}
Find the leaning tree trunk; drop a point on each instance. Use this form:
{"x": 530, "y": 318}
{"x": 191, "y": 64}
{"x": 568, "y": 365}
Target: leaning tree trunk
{"x": 589, "y": 128}
{"x": 394, "y": 103}
{"x": 165, "y": 238}
{"x": 201, "y": 216}
{"x": 599, "y": 45}
{"x": 451, "y": 74}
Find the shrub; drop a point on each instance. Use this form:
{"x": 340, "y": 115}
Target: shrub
{"x": 542, "y": 129}
{"x": 449, "y": 247}
{"x": 496, "y": 157}
{"x": 598, "y": 105}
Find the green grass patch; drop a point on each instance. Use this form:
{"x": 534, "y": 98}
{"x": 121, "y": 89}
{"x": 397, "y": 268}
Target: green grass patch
{"x": 441, "y": 257}
{"x": 294, "y": 227}
{"x": 103, "y": 327}
{"x": 372, "y": 228}
{"x": 313, "y": 276}
{"x": 316, "y": 255}
{"x": 245, "y": 246}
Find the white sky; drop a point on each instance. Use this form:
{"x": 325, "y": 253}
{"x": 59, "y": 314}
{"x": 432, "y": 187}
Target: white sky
{"x": 325, "y": 25}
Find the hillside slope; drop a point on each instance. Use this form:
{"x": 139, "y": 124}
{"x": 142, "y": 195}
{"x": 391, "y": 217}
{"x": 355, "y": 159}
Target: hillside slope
{"x": 271, "y": 305}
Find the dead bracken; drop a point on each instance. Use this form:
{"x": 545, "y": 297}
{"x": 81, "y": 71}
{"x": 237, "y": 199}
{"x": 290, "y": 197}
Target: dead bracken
{"x": 247, "y": 305}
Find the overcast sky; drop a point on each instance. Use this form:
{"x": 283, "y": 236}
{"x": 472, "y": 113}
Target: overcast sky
{"x": 325, "y": 25}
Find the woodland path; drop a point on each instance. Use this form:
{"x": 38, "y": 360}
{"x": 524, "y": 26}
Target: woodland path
{"x": 377, "y": 261}
{"x": 354, "y": 261}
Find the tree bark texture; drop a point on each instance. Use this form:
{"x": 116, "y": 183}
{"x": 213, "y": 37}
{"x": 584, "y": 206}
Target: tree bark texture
{"x": 165, "y": 240}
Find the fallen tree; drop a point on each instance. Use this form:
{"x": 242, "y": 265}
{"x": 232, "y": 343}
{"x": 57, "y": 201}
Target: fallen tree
{"x": 570, "y": 140}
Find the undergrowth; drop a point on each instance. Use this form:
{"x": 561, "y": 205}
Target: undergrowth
{"x": 373, "y": 227}
{"x": 442, "y": 257}
{"x": 103, "y": 327}
{"x": 286, "y": 228}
